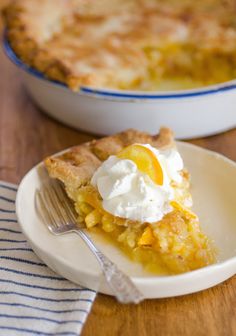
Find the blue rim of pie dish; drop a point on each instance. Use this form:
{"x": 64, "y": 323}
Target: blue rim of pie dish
{"x": 214, "y": 89}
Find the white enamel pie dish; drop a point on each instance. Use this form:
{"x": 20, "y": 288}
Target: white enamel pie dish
{"x": 214, "y": 194}
{"x": 190, "y": 113}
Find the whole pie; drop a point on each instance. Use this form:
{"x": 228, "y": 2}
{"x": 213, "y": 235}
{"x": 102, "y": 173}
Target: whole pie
{"x": 126, "y": 44}
{"x": 133, "y": 188}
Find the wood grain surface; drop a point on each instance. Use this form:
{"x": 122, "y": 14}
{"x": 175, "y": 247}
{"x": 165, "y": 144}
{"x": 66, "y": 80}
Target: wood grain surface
{"x": 26, "y": 137}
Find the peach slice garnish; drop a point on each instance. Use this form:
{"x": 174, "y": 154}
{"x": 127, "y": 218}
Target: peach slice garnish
{"x": 146, "y": 161}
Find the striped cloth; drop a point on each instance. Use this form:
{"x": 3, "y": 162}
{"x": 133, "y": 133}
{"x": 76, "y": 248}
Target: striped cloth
{"x": 33, "y": 299}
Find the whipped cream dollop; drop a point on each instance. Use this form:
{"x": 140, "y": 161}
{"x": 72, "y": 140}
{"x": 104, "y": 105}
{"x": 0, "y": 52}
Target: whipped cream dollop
{"x": 129, "y": 193}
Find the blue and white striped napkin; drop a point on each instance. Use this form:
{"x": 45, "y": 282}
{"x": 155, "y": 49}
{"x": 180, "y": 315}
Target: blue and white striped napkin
{"x": 33, "y": 299}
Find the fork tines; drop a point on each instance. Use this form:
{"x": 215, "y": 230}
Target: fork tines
{"x": 52, "y": 202}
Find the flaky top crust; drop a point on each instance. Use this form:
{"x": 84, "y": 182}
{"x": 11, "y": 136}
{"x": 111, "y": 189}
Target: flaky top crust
{"x": 79, "y": 43}
{"x": 76, "y": 166}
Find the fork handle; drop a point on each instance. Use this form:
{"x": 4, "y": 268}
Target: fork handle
{"x": 121, "y": 285}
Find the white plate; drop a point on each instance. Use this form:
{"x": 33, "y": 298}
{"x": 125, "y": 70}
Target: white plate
{"x": 214, "y": 194}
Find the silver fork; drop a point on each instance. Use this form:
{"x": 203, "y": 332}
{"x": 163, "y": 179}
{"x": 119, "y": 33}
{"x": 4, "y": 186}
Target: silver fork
{"x": 59, "y": 215}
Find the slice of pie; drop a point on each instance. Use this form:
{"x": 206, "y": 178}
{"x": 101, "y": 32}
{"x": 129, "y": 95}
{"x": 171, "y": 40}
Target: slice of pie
{"x": 134, "y": 188}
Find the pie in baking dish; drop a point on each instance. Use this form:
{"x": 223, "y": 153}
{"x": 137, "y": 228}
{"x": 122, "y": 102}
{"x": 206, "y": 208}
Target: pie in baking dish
{"x": 126, "y": 44}
{"x": 133, "y": 188}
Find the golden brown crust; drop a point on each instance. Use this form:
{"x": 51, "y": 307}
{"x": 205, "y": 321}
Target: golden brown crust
{"x": 116, "y": 43}
{"x": 105, "y": 147}
{"x": 28, "y": 28}
{"x": 75, "y": 167}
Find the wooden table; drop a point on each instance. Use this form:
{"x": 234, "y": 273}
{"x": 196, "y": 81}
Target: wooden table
{"x": 26, "y": 137}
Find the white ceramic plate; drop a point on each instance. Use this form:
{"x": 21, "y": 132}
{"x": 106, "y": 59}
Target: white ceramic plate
{"x": 214, "y": 194}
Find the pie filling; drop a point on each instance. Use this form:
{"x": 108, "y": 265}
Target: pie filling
{"x": 170, "y": 245}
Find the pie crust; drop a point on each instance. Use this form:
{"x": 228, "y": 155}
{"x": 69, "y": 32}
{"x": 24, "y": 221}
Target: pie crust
{"x": 76, "y": 167}
{"x": 126, "y": 44}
